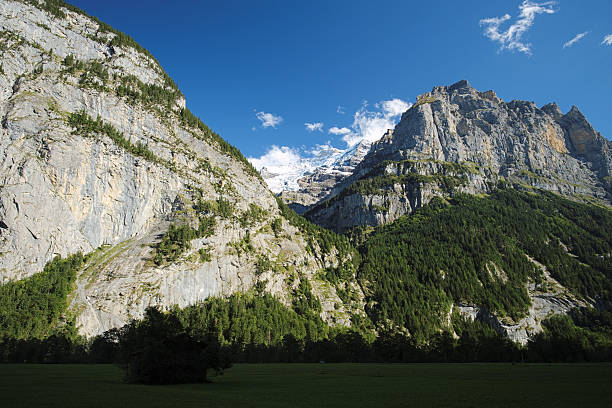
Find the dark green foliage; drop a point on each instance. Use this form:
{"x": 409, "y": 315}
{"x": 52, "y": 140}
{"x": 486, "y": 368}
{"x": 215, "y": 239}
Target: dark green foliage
{"x": 344, "y": 272}
{"x": 173, "y": 243}
{"x": 205, "y": 255}
{"x": 38, "y": 70}
{"x": 32, "y": 307}
{"x": 53, "y": 7}
{"x": 277, "y": 227}
{"x": 93, "y": 73}
{"x": 104, "y": 348}
{"x": 206, "y": 226}
{"x": 56, "y": 348}
{"x": 327, "y": 240}
{"x": 585, "y": 335}
{"x": 86, "y": 126}
{"x": 253, "y": 215}
{"x": 479, "y": 342}
{"x": 225, "y": 209}
{"x": 415, "y": 267}
{"x": 244, "y": 319}
{"x": 149, "y": 95}
{"x": 374, "y": 185}
{"x": 221, "y": 207}
{"x": 69, "y": 60}
{"x": 304, "y": 302}
{"x": 263, "y": 264}
{"x": 159, "y": 349}
{"x": 244, "y": 245}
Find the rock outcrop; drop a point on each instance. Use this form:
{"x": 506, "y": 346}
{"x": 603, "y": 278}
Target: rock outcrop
{"x": 98, "y": 154}
{"x": 457, "y": 139}
{"x": 547, "y": 298}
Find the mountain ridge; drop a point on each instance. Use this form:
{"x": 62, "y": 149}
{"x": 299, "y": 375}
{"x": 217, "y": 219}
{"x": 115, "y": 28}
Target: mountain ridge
{"x": 474, "y": 140}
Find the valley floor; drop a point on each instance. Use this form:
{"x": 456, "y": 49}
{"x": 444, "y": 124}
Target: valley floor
{"x": 318, "y": 385}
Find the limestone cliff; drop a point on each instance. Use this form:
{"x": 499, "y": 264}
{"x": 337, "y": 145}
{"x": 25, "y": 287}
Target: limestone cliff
{"x": 98, "y": 153}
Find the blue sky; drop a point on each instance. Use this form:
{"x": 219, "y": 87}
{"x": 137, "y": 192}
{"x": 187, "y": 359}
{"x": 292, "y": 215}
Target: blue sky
{"x": 244, "y": 64}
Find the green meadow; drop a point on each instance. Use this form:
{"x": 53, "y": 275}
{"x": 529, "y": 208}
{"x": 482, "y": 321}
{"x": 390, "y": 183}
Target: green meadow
{"x": 318, "y": 385}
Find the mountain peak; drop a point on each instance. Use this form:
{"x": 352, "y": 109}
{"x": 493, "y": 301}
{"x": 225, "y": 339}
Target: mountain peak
{"x": 576, "y": 113}
{"x": 462, "y": 84}
{"x": 460, "y": 140}
{"x": 553, "y": 110}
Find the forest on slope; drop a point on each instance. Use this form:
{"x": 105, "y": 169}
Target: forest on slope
{"x": 475, "y": 250}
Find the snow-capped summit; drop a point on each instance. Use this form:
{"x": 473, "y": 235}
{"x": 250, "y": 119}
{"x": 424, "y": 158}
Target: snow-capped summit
{"x": 317, "y": 183}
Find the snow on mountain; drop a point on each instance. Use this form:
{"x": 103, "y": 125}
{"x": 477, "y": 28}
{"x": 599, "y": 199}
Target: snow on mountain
{"x": 282, "y": 167}
{"x": 306, "y": 176}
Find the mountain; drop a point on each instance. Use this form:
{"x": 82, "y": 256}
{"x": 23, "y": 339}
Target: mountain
{"x": 455, "y": 218}
{"x": 115, "y": 197}
{"x": 316, "y": 184}
{"x": 287, "y": 176}
{"x": 456, "y": 139}
{"x": 99, "y": 155}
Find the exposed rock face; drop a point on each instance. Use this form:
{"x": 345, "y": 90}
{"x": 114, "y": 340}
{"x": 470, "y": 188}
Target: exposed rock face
{"x": 63, "y": 190}
{"x": 547, "y": 299}
{"x": 491, "y": 141}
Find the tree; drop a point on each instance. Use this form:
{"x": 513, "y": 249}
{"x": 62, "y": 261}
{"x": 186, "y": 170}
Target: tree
{"x": 159, "y": 350}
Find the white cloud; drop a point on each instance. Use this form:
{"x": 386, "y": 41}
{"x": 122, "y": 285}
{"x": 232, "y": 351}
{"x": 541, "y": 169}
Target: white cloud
{"x": 284, "y": 166}
{"x": 339, "y": 131}
{"x": 311, "y": 127}
{"x": 276, "y": 158}
{"x": 369, "y": 126}
{"x": 395, "y": 107}
{"x": 575, "y": 39}
{"x": 511, "y": 39}
{"x": 269, "y": 119}
{"x": 340, "y": 109}
{"x": 607, "y": 40}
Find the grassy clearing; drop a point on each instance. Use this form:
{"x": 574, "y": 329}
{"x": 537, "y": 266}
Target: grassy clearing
{"x": 318, "y": 385}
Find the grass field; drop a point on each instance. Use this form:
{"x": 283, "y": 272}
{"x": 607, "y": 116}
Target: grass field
{"x": 318, "y": 385}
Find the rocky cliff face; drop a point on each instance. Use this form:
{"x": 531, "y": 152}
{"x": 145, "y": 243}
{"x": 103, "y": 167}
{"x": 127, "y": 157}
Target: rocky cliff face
{"x": 98, "y": 153}
{"x": 457, "y": 139}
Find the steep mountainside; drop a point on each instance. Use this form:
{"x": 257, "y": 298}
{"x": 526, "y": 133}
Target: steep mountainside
{"x": 456, "y": 139}
{"x": 510, "y": 259}
{"x": 98, "y": 153}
